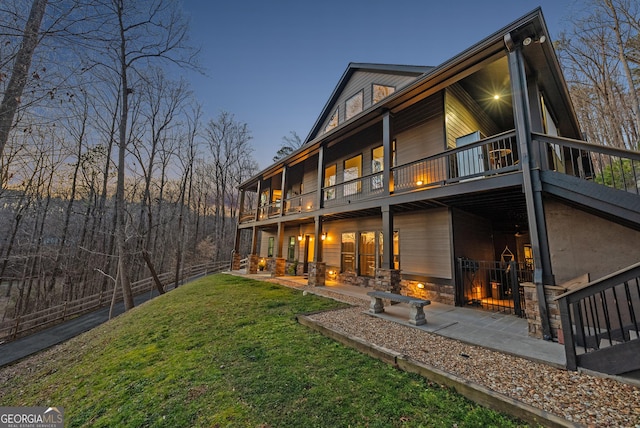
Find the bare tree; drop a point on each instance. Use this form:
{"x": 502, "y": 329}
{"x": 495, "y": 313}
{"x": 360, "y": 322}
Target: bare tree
{"x": 137, "y": 34}
{"x": 290, "y": 143}
{"x": 597, "y": 58}
{"x": 229, "y": 143}
{"x": 20, "y": 72}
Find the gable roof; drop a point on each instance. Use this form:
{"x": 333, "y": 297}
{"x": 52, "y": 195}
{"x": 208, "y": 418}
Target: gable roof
{"x": 540, "y": 57}
{"x": 407, "y": 70}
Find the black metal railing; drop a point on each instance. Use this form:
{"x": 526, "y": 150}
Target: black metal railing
{"x": 300, "y": 203}
{"x": 611, "y": 167}
{"x": 602, "y": 319}
{"x": 492, "y": 285}
{"x": 354, "y": 190}
{"x": 487, "y": 157}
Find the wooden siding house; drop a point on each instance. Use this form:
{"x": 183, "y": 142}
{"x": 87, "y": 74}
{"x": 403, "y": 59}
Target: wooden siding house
{"x": 451, "y": 183}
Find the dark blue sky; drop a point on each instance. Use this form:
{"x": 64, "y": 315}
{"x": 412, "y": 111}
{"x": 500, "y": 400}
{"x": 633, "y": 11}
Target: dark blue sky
{"x": 274, "y": 63}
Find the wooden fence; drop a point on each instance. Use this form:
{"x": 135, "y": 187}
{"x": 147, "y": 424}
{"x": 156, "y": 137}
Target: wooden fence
{"x": 11, "y": 329}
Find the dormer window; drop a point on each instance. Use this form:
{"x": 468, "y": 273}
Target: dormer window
{"x": 381, "y": 91}
{"x": 354, "y": 105}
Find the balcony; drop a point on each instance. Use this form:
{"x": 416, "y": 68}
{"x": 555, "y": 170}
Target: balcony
{"x": 485, "y": 158}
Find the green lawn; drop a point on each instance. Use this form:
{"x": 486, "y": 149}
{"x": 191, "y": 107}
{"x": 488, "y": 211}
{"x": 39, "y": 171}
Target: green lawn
{"x": 227, "y": 351}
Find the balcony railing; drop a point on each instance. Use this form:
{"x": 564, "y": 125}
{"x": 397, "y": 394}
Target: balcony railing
{"x": 353, "y": 190}
{"x": 611, "y": 167}
{"x": 300, "y": 203}
{"x": 601, "y": 323}
{"x": 490, "y": 156}
{"x": 269, "y": 210}
{"x": 483, "y": 158}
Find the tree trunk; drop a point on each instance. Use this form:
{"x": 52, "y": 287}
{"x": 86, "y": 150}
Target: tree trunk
{"x": 20, "y": 71}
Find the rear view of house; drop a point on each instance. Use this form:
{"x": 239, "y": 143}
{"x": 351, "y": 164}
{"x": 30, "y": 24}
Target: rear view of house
{"x": 466, "y": 183}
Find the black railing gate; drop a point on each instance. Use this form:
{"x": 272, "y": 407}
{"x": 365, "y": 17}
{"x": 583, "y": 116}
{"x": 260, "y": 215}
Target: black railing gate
{"x": 492, "y": 285}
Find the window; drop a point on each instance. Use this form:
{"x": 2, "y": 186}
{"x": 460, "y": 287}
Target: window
{"x": 271, "y": 245}
{"x": 352, "y": 171}
{"x": 367, "y": 253}
{"x": 377, "y": 165}
{"x": 381, "y": 91}
{"x": 333, "y": 122}
{"x": 354, "y": 105}
{"x": 348, "y": 252}
{"x": 291, "y": 254}
{"x": 330, "y": 173}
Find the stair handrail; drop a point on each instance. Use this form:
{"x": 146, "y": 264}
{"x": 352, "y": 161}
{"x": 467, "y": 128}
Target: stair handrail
{"x": 574, "y": 296}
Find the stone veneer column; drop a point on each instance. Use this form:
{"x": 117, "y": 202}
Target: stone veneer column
{"x": 254, "y": 259}
{"x": 388, "y": 280}
{"x": 532, "y": 309}
{"x": 317, "y": 272}
{"x": 279, "y": 267}
{"x": 235, "y": 262}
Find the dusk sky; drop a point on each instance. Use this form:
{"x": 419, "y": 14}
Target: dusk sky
{"x": 274, "y": 63}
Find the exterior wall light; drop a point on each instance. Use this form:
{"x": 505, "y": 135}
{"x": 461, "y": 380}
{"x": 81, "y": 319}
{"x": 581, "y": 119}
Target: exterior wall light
{"x": 323, "y": 236}
{"x": 299, "y": 237}
{"x": 420, "y": 285}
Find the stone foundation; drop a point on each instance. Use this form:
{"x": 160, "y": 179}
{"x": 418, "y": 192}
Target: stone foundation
{"x": 254, "y": 260}
{"x": 429, "y": 291}
{"x": 317, "y": 272}
{"x": 279, "y": 265}
{"x": 532, "y": 309}
{"x": 388, "y": 280}
{"x": 235, "y": 261}
{"x": 350, "y": 278}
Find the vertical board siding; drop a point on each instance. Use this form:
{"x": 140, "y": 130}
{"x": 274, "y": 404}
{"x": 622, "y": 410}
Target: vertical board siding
{"x": 363, "y": 80}
{"x": 464, "y": 116}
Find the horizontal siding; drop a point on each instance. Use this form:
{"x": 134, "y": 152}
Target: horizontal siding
{"x": 362, "y": 143}
{"x": 425, "y": 245}
{"x": 420, "y": 130}
{"x": 335, "y": 229}
{"x": 310, "y": 178}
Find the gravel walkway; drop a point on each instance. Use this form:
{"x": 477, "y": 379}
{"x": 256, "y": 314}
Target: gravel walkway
{"x": 578, "y": 397}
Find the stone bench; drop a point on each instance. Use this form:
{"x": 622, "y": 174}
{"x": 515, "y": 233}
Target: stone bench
{"x": 416, "y": 311}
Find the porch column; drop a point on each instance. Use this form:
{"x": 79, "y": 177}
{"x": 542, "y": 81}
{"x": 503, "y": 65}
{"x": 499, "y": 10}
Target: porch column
{"x": 532, "y": 185}
{"x": 257, "y": 213}
{"x": 279, "y": 267}
{"x": 387, "y": 237}
{"x": 320, "y": 181}
{"x": 235, "y": 258}
{"x": 254, "y": 240}
{"x": 317, "y": 268}
{"x": 387, "y": 147}
{"x": 282, "y": 189}
{"x": 317, "y": 249}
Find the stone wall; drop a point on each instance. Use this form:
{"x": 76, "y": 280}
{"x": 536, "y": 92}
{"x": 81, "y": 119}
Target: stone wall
{"x": 317, "y": 272}
{"x": 388, "y": 280}
{"x": 350, "y": 278}
{"x": 254, "y": 260}
{"x": 279, "y": 265}
{"x": 533, "y": 309}
{"x": 429, "y": 291}
{"x": 235, "y": 262}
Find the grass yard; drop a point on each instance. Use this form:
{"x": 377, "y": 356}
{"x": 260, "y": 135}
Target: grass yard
{"x": 226, "y": 351}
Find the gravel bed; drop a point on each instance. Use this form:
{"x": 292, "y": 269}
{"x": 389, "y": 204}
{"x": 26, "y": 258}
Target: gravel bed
{"x": 578, "y": 397}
